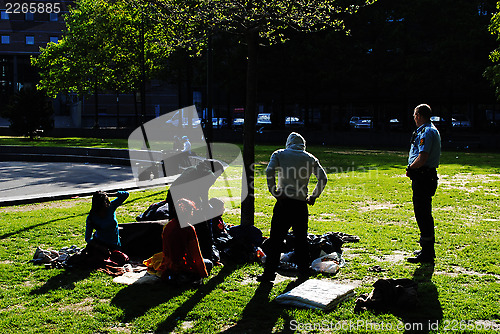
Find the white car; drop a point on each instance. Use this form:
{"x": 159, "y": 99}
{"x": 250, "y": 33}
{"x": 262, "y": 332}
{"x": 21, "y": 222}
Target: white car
{"x": 291, "y": 122}
{"x": 263, "y": 120}
{"x": 361, "y": 122}
{"x": 238, "y": 122}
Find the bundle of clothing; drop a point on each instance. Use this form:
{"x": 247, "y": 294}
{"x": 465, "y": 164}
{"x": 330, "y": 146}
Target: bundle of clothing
{"x": 54, "y": 259}
{"x": 111, "y": 262}
{"x": 218, "y": 241}
{"x": 319, "y": 245}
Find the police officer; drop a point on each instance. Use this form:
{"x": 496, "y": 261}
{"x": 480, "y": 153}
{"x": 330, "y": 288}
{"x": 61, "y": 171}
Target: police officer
{"x": 422, "y": 163}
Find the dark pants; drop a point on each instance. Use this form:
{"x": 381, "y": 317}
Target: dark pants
{"x": 424, "y": 185}
{"x": 288, "y": 213}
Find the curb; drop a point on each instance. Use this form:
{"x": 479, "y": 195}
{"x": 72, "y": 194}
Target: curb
{"x": 128, "y": 186}
{"x": 103, "y": 156}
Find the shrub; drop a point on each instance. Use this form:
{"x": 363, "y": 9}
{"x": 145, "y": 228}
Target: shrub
{"x": 29, "y": 112}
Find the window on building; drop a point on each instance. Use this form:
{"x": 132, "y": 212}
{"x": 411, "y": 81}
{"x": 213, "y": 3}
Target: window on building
{"x": 30, "y": 40}
{"x": 482, "y": 9}
{"x": 53, "y": 17}
{"x": 29, "y": 16}
{"x": 5, "y": 39}
{"x": 4, "y": 15}
{"x": 54, "y": 39}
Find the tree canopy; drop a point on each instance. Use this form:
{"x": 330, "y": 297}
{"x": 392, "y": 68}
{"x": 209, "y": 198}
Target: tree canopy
{"x": 101, "y": 49}
{"x": 492, "y": 73}
{"x": 255, "y": 22}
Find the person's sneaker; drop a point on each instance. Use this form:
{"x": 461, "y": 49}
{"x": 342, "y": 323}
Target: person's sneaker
{"x": 265, "y": 278}
{"x": 421, "y": 259}
{"x": 417, "y": 252}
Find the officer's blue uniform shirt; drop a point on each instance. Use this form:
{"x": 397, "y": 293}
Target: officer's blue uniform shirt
{"x": 426, "y": 139}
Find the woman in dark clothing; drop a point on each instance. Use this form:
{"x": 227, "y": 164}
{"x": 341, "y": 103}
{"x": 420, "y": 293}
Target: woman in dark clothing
{"x": 102, "y": 219}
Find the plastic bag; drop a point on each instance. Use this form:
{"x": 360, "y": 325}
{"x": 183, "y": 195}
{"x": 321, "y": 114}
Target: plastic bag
{"x": 329, "y": 263}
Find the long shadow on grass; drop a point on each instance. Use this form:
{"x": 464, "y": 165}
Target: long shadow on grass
{"x": 143, "y": 197}
{"x": 24, "y": 229}
{"x": 260, "y": 314}
{"x": 429, "y": 311}
{"x": 66, "y": 279}
{"x": 136, "y": 300}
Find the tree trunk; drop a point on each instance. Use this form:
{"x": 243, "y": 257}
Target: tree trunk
{"x": 248, "y": 203}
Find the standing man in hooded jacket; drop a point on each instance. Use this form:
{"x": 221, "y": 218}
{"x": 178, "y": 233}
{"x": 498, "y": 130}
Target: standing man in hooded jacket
{"x": 294, "y": 167}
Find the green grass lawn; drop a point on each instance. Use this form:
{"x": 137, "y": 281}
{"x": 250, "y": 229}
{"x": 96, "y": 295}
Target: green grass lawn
{"x": 64, "y": 142}
{"x": 367, "y": 195}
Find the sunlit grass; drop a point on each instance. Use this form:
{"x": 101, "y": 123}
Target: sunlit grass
{"x": 367, "y": 195}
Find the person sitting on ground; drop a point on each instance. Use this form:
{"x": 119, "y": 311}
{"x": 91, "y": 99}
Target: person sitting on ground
{"x": 194, "y": 184}
{"x": 186, "y": 144}
{"x": 102, "y": 234}
{"x": 181, "y": 257}
{"x": 207, "y": 231}
{"x": 219, "y": 228}
{"x": 102, "y": 219}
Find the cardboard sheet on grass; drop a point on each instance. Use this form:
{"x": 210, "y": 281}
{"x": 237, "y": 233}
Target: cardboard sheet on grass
{"x": 318, "y": 294}
{"x": 141, "y": 277}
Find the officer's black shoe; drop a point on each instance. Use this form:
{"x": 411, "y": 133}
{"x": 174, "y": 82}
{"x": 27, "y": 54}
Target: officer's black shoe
{"x": 264, "y": 278}
{"x": 421, "y": 259}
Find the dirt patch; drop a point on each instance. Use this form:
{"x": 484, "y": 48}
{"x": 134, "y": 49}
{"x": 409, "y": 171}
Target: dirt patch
{"x": 83, "y": 306}
{"x": 187, "y": 325}
{"x": 371, "y": 206}
{"x": 367, "y": 280}
{"x": 279, "y": 278}
{"x": 233, "y": 211}
{"x": 395, "y": 257}
{"x": 326, "y": 217}
{"x": 462, "y": 182}
{"x": 462, "y": 271}
{"x": 120, "y": 329}
{"x": 447, "y": 208}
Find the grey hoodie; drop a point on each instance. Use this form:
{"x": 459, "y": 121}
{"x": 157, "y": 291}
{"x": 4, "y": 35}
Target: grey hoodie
{"x": 294, "y": 166}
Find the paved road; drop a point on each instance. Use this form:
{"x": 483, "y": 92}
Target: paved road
{"x": 28, "y": 182}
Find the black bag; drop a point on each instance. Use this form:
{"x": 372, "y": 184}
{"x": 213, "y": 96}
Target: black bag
{"x": 156, "y": 211}
{"x": 389, "y": 294}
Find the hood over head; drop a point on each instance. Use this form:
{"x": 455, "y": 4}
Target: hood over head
{"x": 296, "y": 142}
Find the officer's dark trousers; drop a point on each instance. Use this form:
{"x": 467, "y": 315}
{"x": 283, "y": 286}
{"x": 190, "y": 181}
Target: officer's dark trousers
{"x": 288, "y": 213}
{"x": 424, "y": 185}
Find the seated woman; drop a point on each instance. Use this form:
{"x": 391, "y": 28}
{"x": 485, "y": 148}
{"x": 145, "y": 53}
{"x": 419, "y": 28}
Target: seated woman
{"x": 181, "y": 256}
{"x": 101, "y": 232}
{"x": 102, "y": 219}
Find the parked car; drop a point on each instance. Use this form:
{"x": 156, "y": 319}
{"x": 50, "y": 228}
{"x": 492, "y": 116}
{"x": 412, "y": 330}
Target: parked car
{"x": 438, "y": 121}
{"x": 460, "y": 121}
{"x": 219, "y": 122}
{"x": 263, "y": 120}
{"x": 181, "y": 119}
{"x": 361, "y": 122}
{"x": 293, "y": 122}
{"x": 238, "y": 123}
